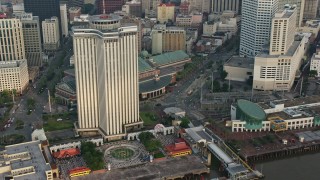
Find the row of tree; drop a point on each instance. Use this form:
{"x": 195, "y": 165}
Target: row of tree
{"x": 92, "y": 157}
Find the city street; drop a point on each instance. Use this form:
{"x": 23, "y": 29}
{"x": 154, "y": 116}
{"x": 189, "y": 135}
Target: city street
{"x": 20, "y": 108}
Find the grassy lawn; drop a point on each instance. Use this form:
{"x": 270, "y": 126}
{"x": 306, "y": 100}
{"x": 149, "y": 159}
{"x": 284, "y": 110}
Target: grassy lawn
{"x": 148, "y": 118}
{"x": 53, "y": 125}
{"x": 19, "y": 124}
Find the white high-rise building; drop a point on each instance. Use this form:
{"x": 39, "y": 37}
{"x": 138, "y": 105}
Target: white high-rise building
{"x": 282, "y": 31}
{"x": 256, "y": 25}
{"x": 11, "y": 40}
{"x": 64, "y": 19}
{"x": 299, "y": 5}
{"x": 13, "y": 63}
{"x": 106, "y": 70}
{"x": 51, "y": 34}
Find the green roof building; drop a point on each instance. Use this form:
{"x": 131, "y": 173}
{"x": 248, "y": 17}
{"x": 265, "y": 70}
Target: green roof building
{"x": 251, "y": 113}
{"x": 170, "y": 59}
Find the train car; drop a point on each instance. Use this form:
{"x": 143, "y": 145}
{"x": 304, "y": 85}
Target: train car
{"x": 79, "y": 171}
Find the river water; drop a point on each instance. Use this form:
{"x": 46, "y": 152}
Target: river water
{"x": 306, "y": 167}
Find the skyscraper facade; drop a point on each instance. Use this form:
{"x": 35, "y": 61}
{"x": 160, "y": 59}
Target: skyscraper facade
{"x": 45, "y": 9}
{"x": 256, "y": 25}
{"x": 11, "y": 40}
{"x": 310, "y": 9}
{"x": 13, "y": 63}
{"x": 64, "y": 20}
{"x": 109, "y": 6}
{"x": 32, "y": 38}
{"x": 106, "y": 70}
{"x": 226, "y": 5}
{"x": 51, "y": 34}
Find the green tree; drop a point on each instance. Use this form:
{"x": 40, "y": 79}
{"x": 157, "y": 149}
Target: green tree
{"x": 225, "y": 87}
{"x": 223, "y": 74}
{"x": 184, "y": 122}
{"x": 153, "y": 145}
{"x": 216, "y": 86}
{"x": 145, "y": 136}
{"x": 313, "y": 73}
{"x": 92, "y": 157}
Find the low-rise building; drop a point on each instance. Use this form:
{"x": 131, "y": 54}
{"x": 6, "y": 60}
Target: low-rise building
{"x": 280, "y": 115}
{"x": 14, "y": 75}
{"x": 25, "y": 161}
{"x": 74, "y": 12}
{"x": 239, "y": 68}
{"x": 315, "y": 63}
{"x": 66, "y": 91}
{"x": 209, "y": 28}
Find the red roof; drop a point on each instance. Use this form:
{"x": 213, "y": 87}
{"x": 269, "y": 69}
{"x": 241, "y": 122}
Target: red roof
{"x": 66, "y": 153}
{"x": 167, "y": 4}
{"x": 177, "y": 147}
{"x": 78, "y": 169}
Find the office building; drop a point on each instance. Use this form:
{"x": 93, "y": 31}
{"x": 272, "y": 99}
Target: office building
{"x": 168, "y": 39}
{"x": 17, "y": 8}
{"x": 184, "y": 8}
{"x": 299, "y": 5}
{"x": 282, "y": 31}
{"x": 25, "y": 161}
{"x": 315, "y": 63}
{"x": 32, "y": 38}
{"x": 256, "y": 25}
{"x": 64, "y": 20}
{"x": 44, "y": 9}
{"x": 14, "y": 75}
{"x": 276, "y": 67}
{"x": 11, "y": 40}
{"x": 165, "y": 12}
{"x": 74, "y": 12}
{"x": 146, "y": 5}
{"x": 108, "y": 94}
{"x": 310, "y": 9}
{"x": 109, "y": 6}
{"x": 133, "y": 8}
{"x": 200, "y": 5}
{"x": 51, "y": 34}
{"x": 226, "y": 5}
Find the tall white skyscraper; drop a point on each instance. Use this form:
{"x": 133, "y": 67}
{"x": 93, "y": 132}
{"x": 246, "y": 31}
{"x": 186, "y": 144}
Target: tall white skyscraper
{"x": 282, "y": 31}
{"x": 256, "y": 25}
{"x": 51, "y": 34}
{"x": 106, "y": 70}
{"x": 299, "y": 4}
{"x": 64, "y": 19}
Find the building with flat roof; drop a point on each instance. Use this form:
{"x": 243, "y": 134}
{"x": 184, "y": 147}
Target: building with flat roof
{"x": 279, "y": 115}
{"x": 299, "y": 5}
{"x": 32, "y": 38}
{"x": 310, "y": 9}
{"x": 239, "y": 68}
{"x": 74, "y": 12}
{"x": 14, "y": 75}
{"x": 133, "y": 8}
{"x": 25, "y": 161}
{"x": 315, "y": 63}
{"x": 283, "y": 29}
{"x": 51, "y": 34}
{"x": 165, "y": 12}
{"x": 168, "y": 39}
